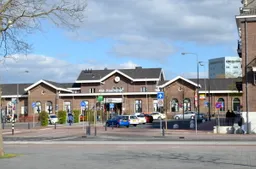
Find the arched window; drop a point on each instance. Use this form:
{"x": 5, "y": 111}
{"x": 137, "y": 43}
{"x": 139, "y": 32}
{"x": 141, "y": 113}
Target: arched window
{"x": 187, "y": 104}
{"x": 38, "y": 107}
{"x": 67, "y": 106}
{"x": 236, "y": 104}
{"x": 138, "y": 106}
{"x": 174, "y": 105}
{"x": 155, "y": 106}
{"x": 48, "y": 107}
{"x": 221, "y": 100}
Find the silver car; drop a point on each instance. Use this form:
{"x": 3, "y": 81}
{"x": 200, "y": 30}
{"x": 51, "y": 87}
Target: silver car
{"x": 187, "y": 115}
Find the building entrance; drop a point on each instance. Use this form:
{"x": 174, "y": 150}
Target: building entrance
{"x": 117, "y": 105}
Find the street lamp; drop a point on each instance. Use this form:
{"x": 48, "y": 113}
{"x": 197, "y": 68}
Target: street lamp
{"x": 197, "y": 92}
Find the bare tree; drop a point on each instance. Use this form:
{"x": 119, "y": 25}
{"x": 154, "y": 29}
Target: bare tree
{"x": 19, "y": 18}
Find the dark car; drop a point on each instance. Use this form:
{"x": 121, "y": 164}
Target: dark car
{"x": 149, "y": 118}
{"x": 118, "y": 121}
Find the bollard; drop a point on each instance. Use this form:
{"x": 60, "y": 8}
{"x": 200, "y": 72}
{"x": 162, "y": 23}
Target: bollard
{"x": 95, "y": 130}
{"x": 106, "y": 127}
{"x": 163, "y": 132}
{"x": 13, "y": 127}
{"x": 55, "y": 126}
{"x": 28, "y": 125}
{"x": 112, "y": 125}
{"x": 3, "y": 125}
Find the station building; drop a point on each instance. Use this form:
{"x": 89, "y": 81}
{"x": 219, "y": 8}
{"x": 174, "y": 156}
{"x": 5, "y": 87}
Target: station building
{"x": 131, "y": 90}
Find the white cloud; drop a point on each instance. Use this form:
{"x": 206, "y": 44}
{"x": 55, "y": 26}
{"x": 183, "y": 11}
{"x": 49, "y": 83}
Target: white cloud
{"x": 49, "y": 68}
{"x": 146, "y": 28}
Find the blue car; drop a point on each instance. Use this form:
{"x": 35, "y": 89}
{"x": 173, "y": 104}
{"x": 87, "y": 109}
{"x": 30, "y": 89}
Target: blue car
{"x": 118, "y": 121}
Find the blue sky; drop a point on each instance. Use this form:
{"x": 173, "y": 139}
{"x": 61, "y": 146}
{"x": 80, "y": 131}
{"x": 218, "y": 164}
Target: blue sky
{"x": 123, "y": 34}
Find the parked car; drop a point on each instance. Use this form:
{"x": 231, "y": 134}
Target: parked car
{"x": 142, "y": 119}
{"x": 158, "y": 115}
{"x": 53, "y": 119}
{"x": 187, "y": 115}
{"x": 133, "y": 120}
{"x": 118, "y": 121}
{"x": 149, "y": 118}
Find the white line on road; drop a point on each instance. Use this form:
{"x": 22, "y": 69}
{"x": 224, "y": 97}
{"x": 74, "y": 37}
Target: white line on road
{"x": 198, "y": 143}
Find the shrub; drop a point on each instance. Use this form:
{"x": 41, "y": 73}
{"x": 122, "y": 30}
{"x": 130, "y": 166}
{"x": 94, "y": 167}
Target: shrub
{"x": 44, "y": 118}
{"x": 89, "y": 116}
{"x": 62, "y": 116}
{"x": 76, "y": 115}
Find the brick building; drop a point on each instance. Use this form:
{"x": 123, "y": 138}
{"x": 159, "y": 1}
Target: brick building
{"x": 246, "y": 24}
{"x": 131, "y": 90}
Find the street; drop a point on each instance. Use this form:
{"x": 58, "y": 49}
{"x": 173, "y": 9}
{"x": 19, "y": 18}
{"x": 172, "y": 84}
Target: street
{"x": 130, "y": 156}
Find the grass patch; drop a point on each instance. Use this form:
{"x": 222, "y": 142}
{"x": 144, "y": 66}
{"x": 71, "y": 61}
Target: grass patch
{"x": 8, "y": 156}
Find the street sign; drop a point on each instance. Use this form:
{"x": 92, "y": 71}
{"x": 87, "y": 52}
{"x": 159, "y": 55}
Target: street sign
{"x": 160, "y": 102}
{"x": 218, "y": 105}
{"x": 160, "y": 95}
{"x": 82, "y": 104}
{"x": 111, "y": 105}
{"x": 206, "y": 103}
{"x": 100, "y": 98}
{"x": 34, "y": 104}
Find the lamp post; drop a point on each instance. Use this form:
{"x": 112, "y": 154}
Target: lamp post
{"x": 197, "y": 91}
{"x": 17, "y": 99}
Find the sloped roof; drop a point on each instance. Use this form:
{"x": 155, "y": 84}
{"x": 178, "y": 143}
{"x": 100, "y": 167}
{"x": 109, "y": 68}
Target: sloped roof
{"x": 11, "y": 89}
{"x": 137, "y": 73}
{"x": 218, "y": 83}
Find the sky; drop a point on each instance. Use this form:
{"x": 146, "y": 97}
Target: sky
{"x": 128, "y": 33}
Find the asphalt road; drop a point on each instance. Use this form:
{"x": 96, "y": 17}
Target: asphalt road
{"x": 130, "y": 156}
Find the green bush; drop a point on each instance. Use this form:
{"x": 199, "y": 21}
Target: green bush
{"x": 62, "y": 116}
{"x": 76, "y": 115}
{"x": 44, "y": 118}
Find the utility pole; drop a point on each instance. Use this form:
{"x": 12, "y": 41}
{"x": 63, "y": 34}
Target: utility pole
{"x": 1, "y": 130}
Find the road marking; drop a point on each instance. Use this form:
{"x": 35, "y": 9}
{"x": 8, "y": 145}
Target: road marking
{"x": 176, "y": 143}
{"x": 11, "y": 132}
{"x": 45, "y": 129}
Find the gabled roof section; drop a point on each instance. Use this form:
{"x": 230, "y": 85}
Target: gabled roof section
{"x": 166, "y": 83}
{"x": 218, "y": 84}
{"x": 137, "y": 74}
{"x": 52, "y": 84}
{"x": 11, "y": 89}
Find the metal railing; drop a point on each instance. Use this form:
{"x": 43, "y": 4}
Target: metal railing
{"x": 247, "y": 11}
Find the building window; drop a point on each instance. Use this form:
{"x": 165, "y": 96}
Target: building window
{"x": 221, "y": 100}
{"x": 236, "y": 104}
{"x": 67, "y": 107}
{"x": 38, "y": 107}
{"x": 187, "y": 104}
{"x": 174, "y": 105}
{"x": 143, "y": 89}
{"x": 155, "y": 106}
{"x": 48, "y": 107}
{"x": 92, "y": 90}
{"x": 138, "y": 106}
{"x": 254, "y": 78}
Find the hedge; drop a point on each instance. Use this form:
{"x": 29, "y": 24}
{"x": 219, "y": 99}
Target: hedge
{"x": 62, "y": 116}
{"x": 44, "y": 118}
{"x": 76, "y": 115}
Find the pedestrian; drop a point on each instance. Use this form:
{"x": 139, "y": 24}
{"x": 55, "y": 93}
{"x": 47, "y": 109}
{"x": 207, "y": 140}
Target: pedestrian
{"x": 70, "y": 119}
{"x": 242, "y": 124}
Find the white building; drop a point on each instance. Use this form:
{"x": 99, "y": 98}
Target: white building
{"x": 225, "y": 67}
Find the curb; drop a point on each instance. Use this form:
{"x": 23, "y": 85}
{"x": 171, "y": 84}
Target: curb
{"x": 177, "y": 143}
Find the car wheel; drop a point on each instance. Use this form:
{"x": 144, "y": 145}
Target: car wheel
{"x": 144, "y": 123}
{"x": 177, "y": 118}
{"x": 135, "y": 125}
{"x": 107, "y": 124}
{"x": 127, "y": 126}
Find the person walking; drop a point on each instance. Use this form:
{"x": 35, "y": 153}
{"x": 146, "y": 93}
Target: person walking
{"x": 242, "y": 124}
{"x": 70, "y": 119}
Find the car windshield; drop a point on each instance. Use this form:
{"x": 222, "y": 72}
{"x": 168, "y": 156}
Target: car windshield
{"x": 133, "y": 117}
{"x": 53, "y": 116}
{"x": 124, "y": 117}
{"x": 140, "y": 116}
